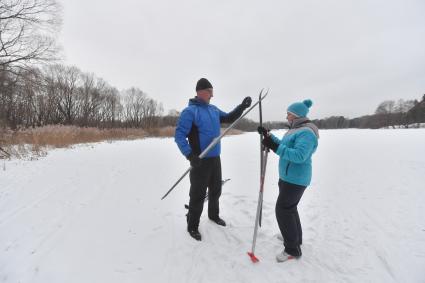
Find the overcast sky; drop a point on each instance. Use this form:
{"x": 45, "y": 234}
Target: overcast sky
{"x": 347, "y": 56}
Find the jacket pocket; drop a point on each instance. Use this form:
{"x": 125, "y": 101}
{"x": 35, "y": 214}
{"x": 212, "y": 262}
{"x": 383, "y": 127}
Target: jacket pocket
{"x": 287, "y": 168}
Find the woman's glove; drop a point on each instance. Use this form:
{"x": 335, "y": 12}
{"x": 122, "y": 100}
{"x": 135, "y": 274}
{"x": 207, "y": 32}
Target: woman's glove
{"x": 263, "y": 131}
{"x": 269, "y": 143}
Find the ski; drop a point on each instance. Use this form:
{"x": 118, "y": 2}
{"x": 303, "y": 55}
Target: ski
{"x": 263, "y": 164}
{"x": 217, "y": 139}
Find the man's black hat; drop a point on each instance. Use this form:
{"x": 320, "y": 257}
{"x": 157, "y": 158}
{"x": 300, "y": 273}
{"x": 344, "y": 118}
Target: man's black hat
{"x": 203, "y": 84}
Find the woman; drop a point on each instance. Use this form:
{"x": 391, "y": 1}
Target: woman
{"x": 295, "y": 151}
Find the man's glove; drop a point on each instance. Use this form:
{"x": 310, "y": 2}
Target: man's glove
{"x": 246, "y": 102}
{"x": 195, "y": 161}
{"x": 269, "y": 143}
{"x": 263, "y": 131}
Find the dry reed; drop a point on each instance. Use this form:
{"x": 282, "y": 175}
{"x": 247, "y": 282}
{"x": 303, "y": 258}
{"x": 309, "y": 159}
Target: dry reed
{"x": 34, "y": 142}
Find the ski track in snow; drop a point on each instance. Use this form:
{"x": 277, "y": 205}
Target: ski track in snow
{"x": 93, "y": 214}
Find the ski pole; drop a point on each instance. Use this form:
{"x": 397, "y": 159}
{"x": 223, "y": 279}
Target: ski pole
{"x": 262, "y": 148}
{"x": 263, "y": 163}
{"x": 251, "y": 254}
{"x": 215, "y": 141}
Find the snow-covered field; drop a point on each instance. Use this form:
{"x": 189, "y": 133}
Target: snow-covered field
{"x": 93, "y": 214}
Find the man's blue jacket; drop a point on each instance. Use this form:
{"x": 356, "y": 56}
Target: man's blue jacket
{"x": 199, "y": 123}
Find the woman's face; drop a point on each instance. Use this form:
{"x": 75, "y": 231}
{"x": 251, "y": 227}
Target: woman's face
{"x": 290, "y": 117}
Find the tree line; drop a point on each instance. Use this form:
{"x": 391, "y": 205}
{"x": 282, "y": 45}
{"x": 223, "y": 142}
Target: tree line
{"x": 60, "y": 94}
{"x": 389, "y": 113}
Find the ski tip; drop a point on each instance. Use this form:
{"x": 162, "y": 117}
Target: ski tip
{"x": 263, "y": 94}
{"x": 254, "y": 259}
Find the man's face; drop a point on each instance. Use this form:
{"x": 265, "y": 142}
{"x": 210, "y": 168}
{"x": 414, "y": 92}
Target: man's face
{"x": 205, "y": 94}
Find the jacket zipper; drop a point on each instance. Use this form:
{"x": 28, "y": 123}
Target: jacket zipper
{"x": 287, "y": 167}
{"x": 212, "y": 120}
{"x": 209, "y": 114}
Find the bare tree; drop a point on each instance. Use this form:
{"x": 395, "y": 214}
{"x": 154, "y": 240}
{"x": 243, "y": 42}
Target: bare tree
{"x": 91, "y": 97}
{"x": 27, "y": 30}
{"x": 385, "y": 112}
{"x": 150, "y": 112}
{"x": 111, "y": 108}
{"x": 417, "y": 113}
{"x": 401, "y": 108}
{"x": 28, "y": 91}
{"x": 8, "y": 84}
{"x": 386, "y": 107}
{"x": 63, "y": 85}
{"x": 140, "y": 110}
{"x": 135, "y": 101}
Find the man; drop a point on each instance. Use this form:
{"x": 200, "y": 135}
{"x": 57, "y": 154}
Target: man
{"x": 198, "y": 125}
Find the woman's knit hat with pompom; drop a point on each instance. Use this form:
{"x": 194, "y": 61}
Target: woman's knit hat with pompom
{"x": 300, "y": 109}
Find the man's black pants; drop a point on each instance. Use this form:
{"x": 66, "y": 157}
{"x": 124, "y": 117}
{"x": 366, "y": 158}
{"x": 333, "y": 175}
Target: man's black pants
{"x": 207, "y": 175}
{"x": 288, "y": 218}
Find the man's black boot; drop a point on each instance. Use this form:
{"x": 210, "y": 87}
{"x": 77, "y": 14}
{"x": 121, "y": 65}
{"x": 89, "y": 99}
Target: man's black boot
{"x": 218, "y": 221}
{"x": 194, "y": 233}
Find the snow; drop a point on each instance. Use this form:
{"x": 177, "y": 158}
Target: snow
{"x": 93, "y": 214}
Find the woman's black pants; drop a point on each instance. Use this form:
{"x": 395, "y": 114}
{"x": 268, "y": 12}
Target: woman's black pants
{"x": 288, "y": 218}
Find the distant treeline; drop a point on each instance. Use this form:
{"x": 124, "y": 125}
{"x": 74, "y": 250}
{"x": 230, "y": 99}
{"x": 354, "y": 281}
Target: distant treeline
{"x": 59, "y": 94}
{"x": 65, "y": 95}
{"x": 401, "y": 113}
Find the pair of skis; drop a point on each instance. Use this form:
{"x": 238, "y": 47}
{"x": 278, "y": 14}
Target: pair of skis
{"x": 263, "y": 164}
